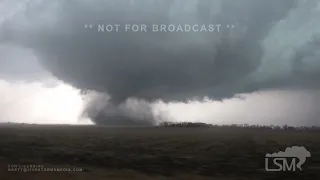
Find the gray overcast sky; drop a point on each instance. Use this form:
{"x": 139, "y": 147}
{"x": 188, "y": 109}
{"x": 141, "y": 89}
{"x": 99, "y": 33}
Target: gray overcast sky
{"x": 273, "y": 48}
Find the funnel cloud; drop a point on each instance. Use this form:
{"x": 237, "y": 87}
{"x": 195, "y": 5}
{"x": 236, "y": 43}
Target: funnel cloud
{"x": 145, "y": 67}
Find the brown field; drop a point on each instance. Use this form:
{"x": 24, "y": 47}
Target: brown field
{"x": 151, "y": 152}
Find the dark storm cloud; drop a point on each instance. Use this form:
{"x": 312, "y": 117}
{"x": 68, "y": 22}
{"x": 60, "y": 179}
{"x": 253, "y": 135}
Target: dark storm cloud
{"x": 153, "y": 65}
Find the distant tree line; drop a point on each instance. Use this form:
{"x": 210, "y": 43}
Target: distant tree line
{"x": 238, "y": 126}
{"x": 168, "y": 124}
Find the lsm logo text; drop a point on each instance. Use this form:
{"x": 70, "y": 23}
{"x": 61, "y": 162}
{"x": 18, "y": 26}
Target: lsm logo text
{"x": 289, "y": 160}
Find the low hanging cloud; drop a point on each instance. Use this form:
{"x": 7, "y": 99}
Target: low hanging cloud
{"x": 259, "y": 53}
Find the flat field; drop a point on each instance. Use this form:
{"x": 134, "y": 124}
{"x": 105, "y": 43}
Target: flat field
{"x": 150, "y": 152}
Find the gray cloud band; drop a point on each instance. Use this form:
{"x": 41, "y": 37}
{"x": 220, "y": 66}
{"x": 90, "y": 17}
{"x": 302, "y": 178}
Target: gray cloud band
{"x": 160, "y": 65}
